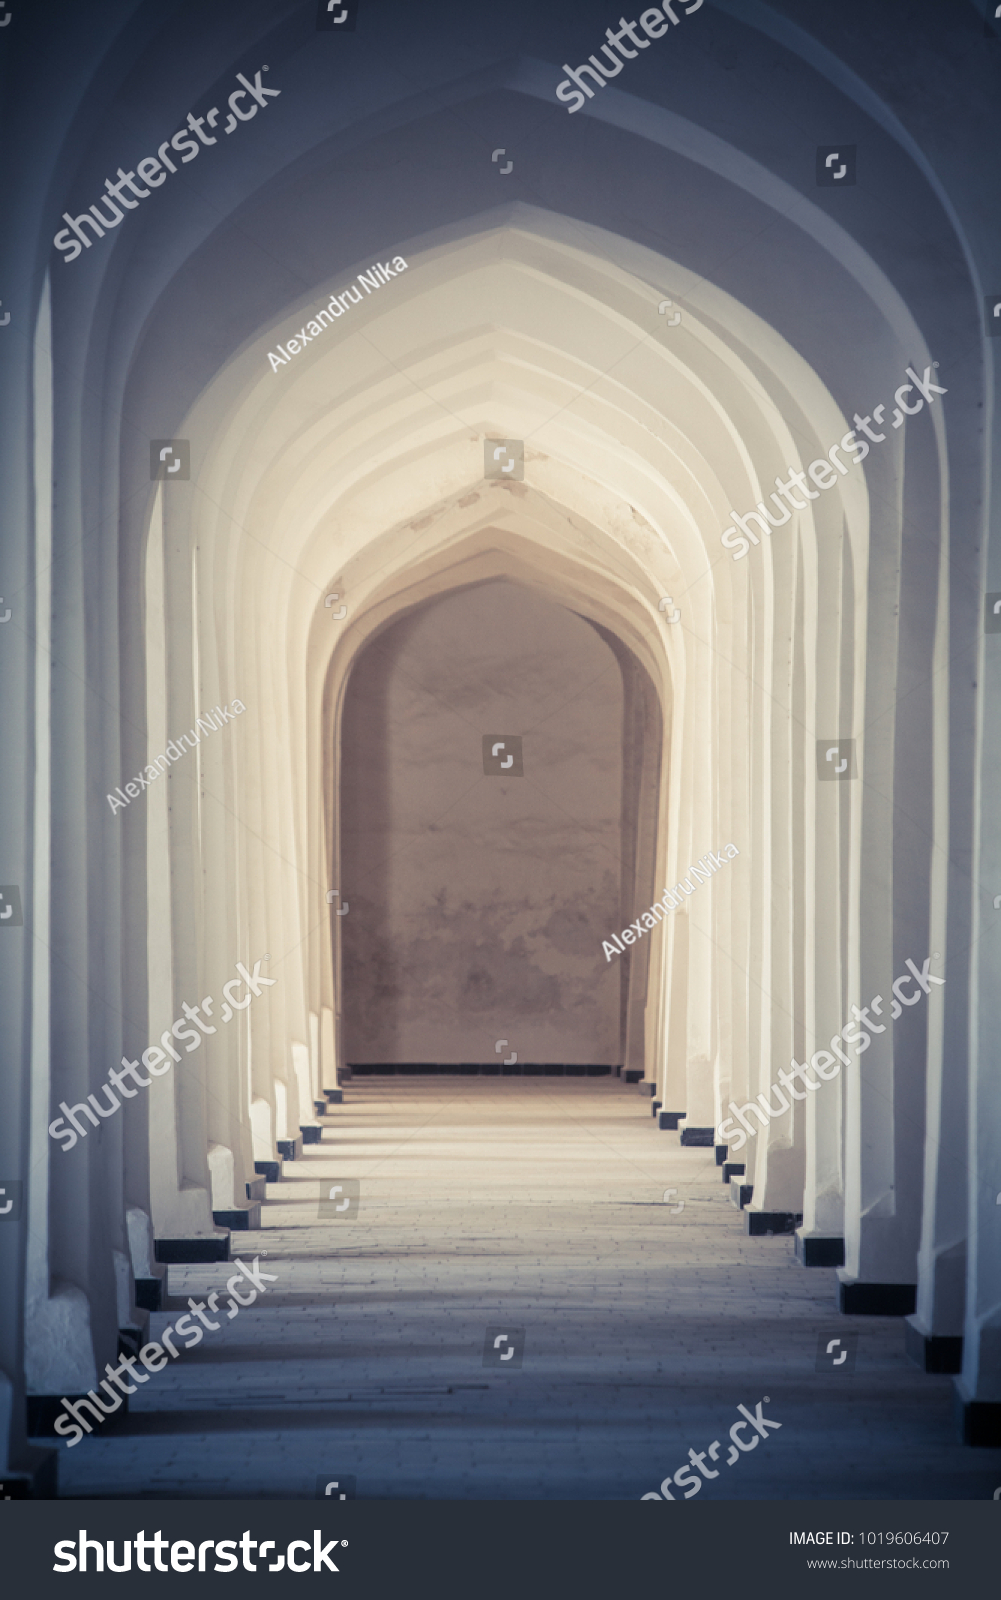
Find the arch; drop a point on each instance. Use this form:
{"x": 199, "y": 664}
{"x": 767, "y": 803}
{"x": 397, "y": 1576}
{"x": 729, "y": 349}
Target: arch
{"x": 357, "y": 468}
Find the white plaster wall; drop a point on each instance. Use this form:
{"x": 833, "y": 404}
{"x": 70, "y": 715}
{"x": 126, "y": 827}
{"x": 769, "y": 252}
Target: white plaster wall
{"x": 478, "y": 905}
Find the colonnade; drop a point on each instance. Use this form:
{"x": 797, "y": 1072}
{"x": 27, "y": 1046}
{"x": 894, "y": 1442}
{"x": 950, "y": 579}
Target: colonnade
{"x": 357, "y": 470}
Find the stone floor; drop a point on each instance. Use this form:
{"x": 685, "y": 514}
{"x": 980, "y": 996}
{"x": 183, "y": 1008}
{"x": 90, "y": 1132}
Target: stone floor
{"x": 509, "y": 1204}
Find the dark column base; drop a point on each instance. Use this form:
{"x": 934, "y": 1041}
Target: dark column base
{"x": 761, "y": 1224}
{"x": 815, "y": 1250}
{"x": 241, "y": 1219}
{"x": 335, "y": 1096}
{"x": 670, "y": 1119}
{"x": 655, "y": 1107}
{"x": 875, "y": 1299}
{"x": 149, "y": 1293}
{"x": 321, "y": 1107}
{"x": 210, "y": 1248}
{"x": 632, "y": 1076}
{"x": 933, "y": 1352}
{"x": 733, "y": 1169}
{"x": 270, "y": 1171}
{"x": 311, "y": 1132}
{"x": 722, "y": 1151}
{"x": 740, "y": 1193}
{"x": 979, "y": 1420}
{"x": 44, "y": 1409}
{"x": 705, "y": 1138}
{"x": 34, "y": 1476}
{"x": 289, "y": 1149}
{"x": 131, "y": 1340}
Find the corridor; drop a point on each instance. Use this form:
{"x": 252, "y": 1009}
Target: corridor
{"x": 533, "y": 1204}
{"x": 418, "y": 646}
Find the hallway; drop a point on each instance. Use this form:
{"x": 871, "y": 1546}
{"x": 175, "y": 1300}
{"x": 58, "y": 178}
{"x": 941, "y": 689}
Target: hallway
{"x": 539, "y": 1203}
{"x": 416, "y": 640}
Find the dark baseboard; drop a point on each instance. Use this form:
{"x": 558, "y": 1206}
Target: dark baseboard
{"x": 722, "y": 1151}
{"x": 979, "y": 1421}
{"x": 335, "y": 1096}
{"x": 876, "y": 1299}
{"x": 655, "y": 1107}
{"x": 311, "y": 1132}
{"x": 44, "y": 1409}
{"x": 741, "y": 1193}
{"x": 485, "y": 1069}
{"x": 290, "y": 1149}
{"x": 670, "y": 1119}
{"x": 633, "y": 1075}
{"x": 241, "y": 1219}
{"x": 932, "y": 1352}
{"x": 704, "y": 1138}
{"x": 270, "y": 1171}
{"x": 763, "y": 1224}
{"x": 176, "y": 1251}
{"x": 816, "y": 1251}
{"x": 34, "y": 1476}
{"x": 149, "y": 1293}
{"x": 733, "y": 1169}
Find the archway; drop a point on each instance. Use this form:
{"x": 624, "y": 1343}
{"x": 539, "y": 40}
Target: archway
{"x": 358, "y": 467}
{"x": 479, "y": 902}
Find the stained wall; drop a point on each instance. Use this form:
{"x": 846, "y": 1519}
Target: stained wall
{"x": 478, "y": 903}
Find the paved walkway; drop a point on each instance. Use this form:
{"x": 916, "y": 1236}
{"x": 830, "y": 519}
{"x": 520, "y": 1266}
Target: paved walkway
{"x": 508, "y": 1204}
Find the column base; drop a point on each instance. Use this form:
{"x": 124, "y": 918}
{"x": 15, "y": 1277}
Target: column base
{"x": 33, "y": 1477}
{"x": 819, "y": 1249}
{"x": 670, "y": 1119}
{"x": 857, "y": 1299}
{"x": 211, "y": 1247}
{"x": 311, "y": 1132}
{"x": 149, "y": 1293}
{"x": 655, "y": 1107}
{"x": 933, "y": 1352}
{"x": 334, "y": 1096}
{"x": 289, "y": 1149}
{"x": 705, "y": 1138}
{"x": 762, "y": 1224}
{"x": 241, "y": 1219}
{"x": 633, "y": 1076}
{"x": 44, "y": 1409}
{"x": 722, "y": 1151}
{"x": 270, "y": 1171}
{"x": 979, "y": 1420}
{"x": 733, "y": 1169}
{"x": 740, "y": 1193}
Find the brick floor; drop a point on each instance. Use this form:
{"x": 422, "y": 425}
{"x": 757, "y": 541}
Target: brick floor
{"x": 535, "y": 1204}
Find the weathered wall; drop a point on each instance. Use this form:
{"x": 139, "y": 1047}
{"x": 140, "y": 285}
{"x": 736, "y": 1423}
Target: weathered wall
{"x": 478, "y": 904}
